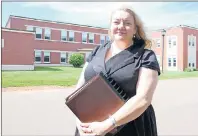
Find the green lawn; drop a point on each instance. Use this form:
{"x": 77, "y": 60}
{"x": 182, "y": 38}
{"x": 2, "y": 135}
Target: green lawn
{"x": 172, "y": 75}
{"x": 61, "y": 76}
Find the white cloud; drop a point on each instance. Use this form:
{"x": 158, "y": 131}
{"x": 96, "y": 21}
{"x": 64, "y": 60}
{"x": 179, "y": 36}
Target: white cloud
{"x": 97, "y": 13}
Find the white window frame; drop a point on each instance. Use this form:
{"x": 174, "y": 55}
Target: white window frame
{"x": 47, "y": 34}
{"x": 2, "y": 43}
{"x": 174, "y": 40}
{"x": 107, "y": 38}
{"x": 102, "y": 36}
{"x": 36, "y": 54}
{"x": 71, "y": 37}
{"x": 46, "y": 53}
{"x": 92, "y": 37}
{"x": 63, "y": 31}
{"x": 38, "y": 28}
{"x": 84, "y": 34}
{"x": 158, "y": 43}
{"x": 27, "y": 28}
{"x": 169, "y": 42}
{"x": 174, "y": 62}
{"x": 193, "y": 41}
{"x": 169, "y": 58}
{"x": 63, "y": 53}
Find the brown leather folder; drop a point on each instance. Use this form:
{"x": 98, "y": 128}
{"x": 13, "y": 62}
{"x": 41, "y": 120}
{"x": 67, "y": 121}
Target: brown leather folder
{"x": 97, "y": 99}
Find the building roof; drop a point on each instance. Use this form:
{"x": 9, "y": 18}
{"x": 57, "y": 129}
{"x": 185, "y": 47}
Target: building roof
{"x": 57, "y": 22}
{"x": 180, "y": 26}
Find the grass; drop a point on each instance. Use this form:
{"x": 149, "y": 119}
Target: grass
{"x": 62, "y": 76}
{"x": 174, "y": 75}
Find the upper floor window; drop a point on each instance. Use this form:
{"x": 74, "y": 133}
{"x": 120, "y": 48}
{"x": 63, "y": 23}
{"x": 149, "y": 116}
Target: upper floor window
{"x": 84, "y": 37}
{"x": 158, "y": 42}
{"x": 190, "y": 40}
{"x": 63, "y": 35}
{"x": 39, "y": 33}
{"x": 71, "y": 36}
{"x": 169, "y": 42}
{"x": 91, "y": 38}
{"x": 47, "y": 33}
{"x": 173, "y": 41}
{"x": 102, "y": 39}
{"x": 30, "y": 28}
{"x": 193, "y": 41}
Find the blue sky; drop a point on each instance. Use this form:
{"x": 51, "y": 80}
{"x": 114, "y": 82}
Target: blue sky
{"x": 154, "y": 14}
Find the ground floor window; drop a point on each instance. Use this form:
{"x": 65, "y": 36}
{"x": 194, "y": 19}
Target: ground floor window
{"x": 46, "y": 57}
{"x": 37, "y": 56}
{"x": 63, "y": 57}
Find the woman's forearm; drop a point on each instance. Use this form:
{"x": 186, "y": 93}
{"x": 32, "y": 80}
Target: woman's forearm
{"x": 132, "y": 109}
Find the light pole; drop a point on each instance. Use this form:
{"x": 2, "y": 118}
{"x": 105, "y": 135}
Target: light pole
{"x": 163, "y": 34}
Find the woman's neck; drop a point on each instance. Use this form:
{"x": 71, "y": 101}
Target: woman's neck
{"x": 122, "y": 44}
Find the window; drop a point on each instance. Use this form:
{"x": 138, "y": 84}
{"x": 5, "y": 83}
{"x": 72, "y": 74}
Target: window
{"x": 84, "y": 37}
{"x": 47, "y": 33}
{"x": 174, "y": 41}
{"x": 63, "y": 57}
{"x": 189, "y": 40}
{"x": 158, "y": 42}
{"x": 2, "y": 43}
{"x": 37, "y": 56}
{"x": 30, "y": 28}
{"x": 39, "y": 33}
{"x": 91, "y": 38}
{"x": 174, "y": 62}
{"x": 102, "y": 39}
{"x": 107, "y": 39}
{"x": 63, "y": 35}
{"x": 189, "y": 64}
{"x": 169, "y": 62}
{"x": 46, "y": 57}
{"x": 193, "y": 65}
{"x": 193, "y": 41}
{"x": 169, "y": 42}
{"x": 71, "y": 36}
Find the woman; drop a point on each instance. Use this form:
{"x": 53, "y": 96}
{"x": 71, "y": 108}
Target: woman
{"x": 134, "y": 68}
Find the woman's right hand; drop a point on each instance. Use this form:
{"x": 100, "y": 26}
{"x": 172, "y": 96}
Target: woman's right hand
{"x": 81, "y": 133}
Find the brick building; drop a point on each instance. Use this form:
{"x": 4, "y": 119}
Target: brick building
{"x": 180, "y": 48}
{"x": 29, "y": 42}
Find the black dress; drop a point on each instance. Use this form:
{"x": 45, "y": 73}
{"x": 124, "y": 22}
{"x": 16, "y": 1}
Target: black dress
{"x": 124, "y": 69}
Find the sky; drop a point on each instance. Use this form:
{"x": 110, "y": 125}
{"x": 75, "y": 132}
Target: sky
{"x": 155, "y": 15}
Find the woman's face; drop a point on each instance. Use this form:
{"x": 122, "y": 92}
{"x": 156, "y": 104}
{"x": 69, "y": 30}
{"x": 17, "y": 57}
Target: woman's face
{"x": 122, "y": 26}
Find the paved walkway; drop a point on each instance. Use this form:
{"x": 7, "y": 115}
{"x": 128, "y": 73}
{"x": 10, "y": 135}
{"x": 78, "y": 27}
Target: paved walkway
{"x": 42, "y": 111}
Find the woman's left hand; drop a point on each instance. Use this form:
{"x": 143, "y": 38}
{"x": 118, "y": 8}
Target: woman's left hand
{"x": 97, "y": 128}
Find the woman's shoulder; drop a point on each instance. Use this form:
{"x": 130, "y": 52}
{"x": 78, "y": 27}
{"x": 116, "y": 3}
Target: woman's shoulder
{"x": 149, "y": 60}
{"x": 96, "y": 50}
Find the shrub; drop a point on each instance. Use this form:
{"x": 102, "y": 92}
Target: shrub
{"x": 188, "y": 70}
{"x": 76, "y": 59}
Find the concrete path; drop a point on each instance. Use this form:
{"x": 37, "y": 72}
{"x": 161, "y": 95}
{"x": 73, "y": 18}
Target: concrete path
{"x": 43, "y": 112}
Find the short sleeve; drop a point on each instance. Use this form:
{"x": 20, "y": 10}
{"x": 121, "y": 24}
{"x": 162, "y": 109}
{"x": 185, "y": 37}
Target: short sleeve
{"x": 149, "y": 60}
{"x": 92, "y": 54}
